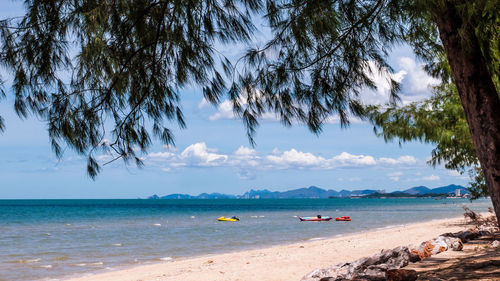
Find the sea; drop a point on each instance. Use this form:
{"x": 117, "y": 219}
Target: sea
{"x": 57, "y": 239}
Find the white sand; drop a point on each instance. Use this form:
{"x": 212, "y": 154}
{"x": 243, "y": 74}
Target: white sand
{"x": 285, "y": 262}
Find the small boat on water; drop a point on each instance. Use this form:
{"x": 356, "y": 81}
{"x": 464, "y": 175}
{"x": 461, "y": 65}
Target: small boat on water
{"x": 316, "y": 218}
{"x": 343, "y": 218}
{"x": 228, "y": 219}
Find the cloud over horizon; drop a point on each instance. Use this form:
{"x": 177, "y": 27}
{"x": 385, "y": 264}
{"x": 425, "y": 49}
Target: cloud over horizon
{"x": 245, "y": 158}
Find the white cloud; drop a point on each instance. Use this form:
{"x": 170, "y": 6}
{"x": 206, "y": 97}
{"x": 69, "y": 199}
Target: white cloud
{"x": 224, "y": 111}
{"x": 431, "y": 178}
{"x": 401, "y": 160}
{"x": 246, "y": 159}
{"x": 382, "y": 80}
{"x": 347, "y": 159}
{"x": 245, "y": 151}
{"x": 294, "y": 158}
{"x": 416, "y": 83}
{"x": 199, "y": 155}
{"x": 395, "y": 176}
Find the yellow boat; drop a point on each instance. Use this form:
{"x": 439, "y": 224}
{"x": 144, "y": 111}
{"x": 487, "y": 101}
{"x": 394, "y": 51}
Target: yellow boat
{"x": 228, "y": 219}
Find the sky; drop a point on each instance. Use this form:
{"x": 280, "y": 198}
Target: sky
{"x": 213, "y": 154}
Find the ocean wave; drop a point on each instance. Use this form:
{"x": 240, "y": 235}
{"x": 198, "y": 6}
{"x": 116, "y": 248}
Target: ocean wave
{"x": 157, "y": 224}
{"x": 45, "y": 266}
{"x": 316, "y": 238}
{"x": 117, "y": 244}
{"x": 27, "y": 261}
{"x": 390, "y": 226}
{"x": 165, "y": 259}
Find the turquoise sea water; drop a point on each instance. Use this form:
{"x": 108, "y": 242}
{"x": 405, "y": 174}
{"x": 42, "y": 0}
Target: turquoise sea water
{"x": 51, "y": 239}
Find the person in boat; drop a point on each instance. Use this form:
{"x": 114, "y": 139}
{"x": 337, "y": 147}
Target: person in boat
{"x": 235, "y": 218}
{"x": 318, "y": 216}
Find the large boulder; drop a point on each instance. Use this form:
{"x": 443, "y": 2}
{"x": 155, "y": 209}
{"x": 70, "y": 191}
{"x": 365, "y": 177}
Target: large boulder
{"x": 401, "y": 275}
{"x": 466, "y": 235}
{"x": 456, "y": 244}
{"x": 369, "y": 268}
{"x": 435, "y": 246}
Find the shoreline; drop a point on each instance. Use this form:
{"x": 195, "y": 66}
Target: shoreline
{"x": 290, "y": 261}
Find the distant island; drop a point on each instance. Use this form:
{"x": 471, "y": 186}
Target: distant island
{"x": 316, "y": 192}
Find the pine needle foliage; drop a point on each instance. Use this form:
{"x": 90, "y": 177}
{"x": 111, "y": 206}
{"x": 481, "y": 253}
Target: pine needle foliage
{"x": 88, "y": 65}
{"x": 318, "y": 60}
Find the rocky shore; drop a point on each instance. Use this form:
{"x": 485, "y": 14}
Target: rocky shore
{"x": 388, "y": 264}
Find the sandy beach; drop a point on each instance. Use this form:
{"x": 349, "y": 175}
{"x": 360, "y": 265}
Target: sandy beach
{"x": 284, "y": 262}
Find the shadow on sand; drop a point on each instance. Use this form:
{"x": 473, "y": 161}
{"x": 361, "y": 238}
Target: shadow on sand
{"x": 477, "y": 261}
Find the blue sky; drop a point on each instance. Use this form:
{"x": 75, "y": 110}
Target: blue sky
{"x": 213, "y": 154}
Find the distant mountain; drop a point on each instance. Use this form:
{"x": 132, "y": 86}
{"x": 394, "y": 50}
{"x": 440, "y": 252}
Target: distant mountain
{"x": 416, "y": 190}
{"x": 363, "y": 192}
{"x": 309, "y": 192}
{"x": 449, "y": 189}
{"x": 215, "y": 196}
{"x": 201, "y": 196}
{"x": 259, "y": 194}
{"x": 316, "y": 192}
{"x": 178, "y": 196}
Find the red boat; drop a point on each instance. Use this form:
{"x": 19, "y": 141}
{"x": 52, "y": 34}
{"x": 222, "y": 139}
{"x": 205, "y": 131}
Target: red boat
{"x": 343, "y": 218}
{"x": 317, "y": 218}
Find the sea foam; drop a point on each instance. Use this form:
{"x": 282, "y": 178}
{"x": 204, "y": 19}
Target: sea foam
{"x": 27, "y": 261}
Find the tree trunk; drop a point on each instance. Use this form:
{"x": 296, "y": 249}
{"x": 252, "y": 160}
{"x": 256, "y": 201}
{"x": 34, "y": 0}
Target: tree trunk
{"x": 477, "y": 93}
